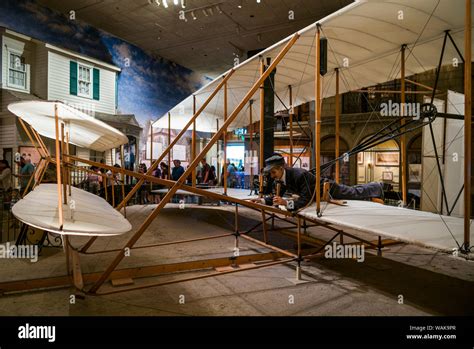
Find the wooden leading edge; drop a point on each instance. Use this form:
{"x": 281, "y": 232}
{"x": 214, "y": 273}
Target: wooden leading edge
{"x": 193, "y": 165}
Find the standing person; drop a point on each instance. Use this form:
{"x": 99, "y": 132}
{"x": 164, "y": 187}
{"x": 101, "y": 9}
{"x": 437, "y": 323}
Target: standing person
{"x": 231, "y": 172}
{"x": 207, "y": 175}
{"x": 113, "y": 176}
{"x": 144, "y": 188}
{"x": 241, "y": 166}
{"x": 94, "y": 180}
{"x": 177, "y": 170}
{"x": 157, "y": 172}
{"x": 26, "y": 171}
{"x": 164, "y": 170}
{"x": 153, "y": 197}
{"x": 213, "y": 175}
{"x": 5, "y": 182}
{"x": 5, "y": 176}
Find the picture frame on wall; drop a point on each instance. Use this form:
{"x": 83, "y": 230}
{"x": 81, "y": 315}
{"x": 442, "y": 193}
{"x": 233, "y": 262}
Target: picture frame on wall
{"x": 387, "y": 159}
{"x": 414, "y": 173}
{"x": 360, "y": 158}
{"x": 305, "y": 162}
{"x": 387, "y": 176}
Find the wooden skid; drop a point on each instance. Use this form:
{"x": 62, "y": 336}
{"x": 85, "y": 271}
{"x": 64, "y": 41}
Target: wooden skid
{"x": 137, "y": 272}
{"x": 76, "y": 270}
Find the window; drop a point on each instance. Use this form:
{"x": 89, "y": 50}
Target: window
{"x": 84, "y": 83}
{"x": 84, "y": 80}
{"x": 96, "y": 156}
{"x": 16, "y": 70}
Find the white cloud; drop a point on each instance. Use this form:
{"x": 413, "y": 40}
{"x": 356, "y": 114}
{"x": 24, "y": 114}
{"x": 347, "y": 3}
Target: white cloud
{"x": 123, "y": 50}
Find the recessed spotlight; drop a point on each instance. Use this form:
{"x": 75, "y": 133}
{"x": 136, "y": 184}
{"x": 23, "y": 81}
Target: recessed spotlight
{"x": 240, "y": 4}
{"x": 183, "y": 3}
{"x": 193, "y": 15}
{"x": 165, "y": 3}
{"x": 258, "y": 1}
{"x": 176, "y": 2}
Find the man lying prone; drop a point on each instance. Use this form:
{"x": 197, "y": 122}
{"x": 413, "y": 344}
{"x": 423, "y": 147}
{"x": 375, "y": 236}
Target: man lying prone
{"x": 287, "y": 180}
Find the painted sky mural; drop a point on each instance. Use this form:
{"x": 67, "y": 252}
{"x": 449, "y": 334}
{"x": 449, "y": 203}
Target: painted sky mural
{"x": 147, "y": 87}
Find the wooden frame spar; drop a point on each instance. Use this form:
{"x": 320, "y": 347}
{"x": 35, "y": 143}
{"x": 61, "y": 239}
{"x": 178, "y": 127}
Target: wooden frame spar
{"x": 170, "y": 146}
{"x": 338, "y": 122}
{"x": 119, "y": 257}
{"x": 467, "y": 125}
{"x": 275, "y": 257}
{"x": 403, "y": 150}
{"x": 317, "y": 119}
{"x": 65, "y": 163}
{"x": 278, "y": 256}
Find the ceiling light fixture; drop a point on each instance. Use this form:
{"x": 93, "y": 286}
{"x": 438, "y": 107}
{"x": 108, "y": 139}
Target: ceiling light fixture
{"x": 183, "y": 3}
{"x": 176, "y": 2}
{"x": 240, "y": 4}
{"x": 207, "y": 11}
{"x": 258, "y": 1}
{"x": 165, "y": 3}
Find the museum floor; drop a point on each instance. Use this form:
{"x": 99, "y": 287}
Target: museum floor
{"x": 431, "y": 283}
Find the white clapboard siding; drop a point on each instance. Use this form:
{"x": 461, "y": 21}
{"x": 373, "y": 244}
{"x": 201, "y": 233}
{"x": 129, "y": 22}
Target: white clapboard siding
{"x": 83, "y": 154}
{"x": 7, "y": 132}
{"x": 58, "y": 85}
{"x": 8, "y": 129}
{"x": 109, "y": 157}
{"x": 39, "y": 79}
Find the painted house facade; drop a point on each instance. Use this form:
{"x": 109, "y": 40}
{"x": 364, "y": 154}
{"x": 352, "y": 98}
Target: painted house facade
{"x": 31, "y": 69}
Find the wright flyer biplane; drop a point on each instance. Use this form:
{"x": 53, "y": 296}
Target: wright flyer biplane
{"x": 364, "y": 44}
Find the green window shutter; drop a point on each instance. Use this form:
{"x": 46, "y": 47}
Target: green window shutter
{"x": 96, "y": 84}
{"x": 73, "y": 78}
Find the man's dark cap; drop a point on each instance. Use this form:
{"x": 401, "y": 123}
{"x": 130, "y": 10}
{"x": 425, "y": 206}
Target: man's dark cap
{"x": 272, "y": 161}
